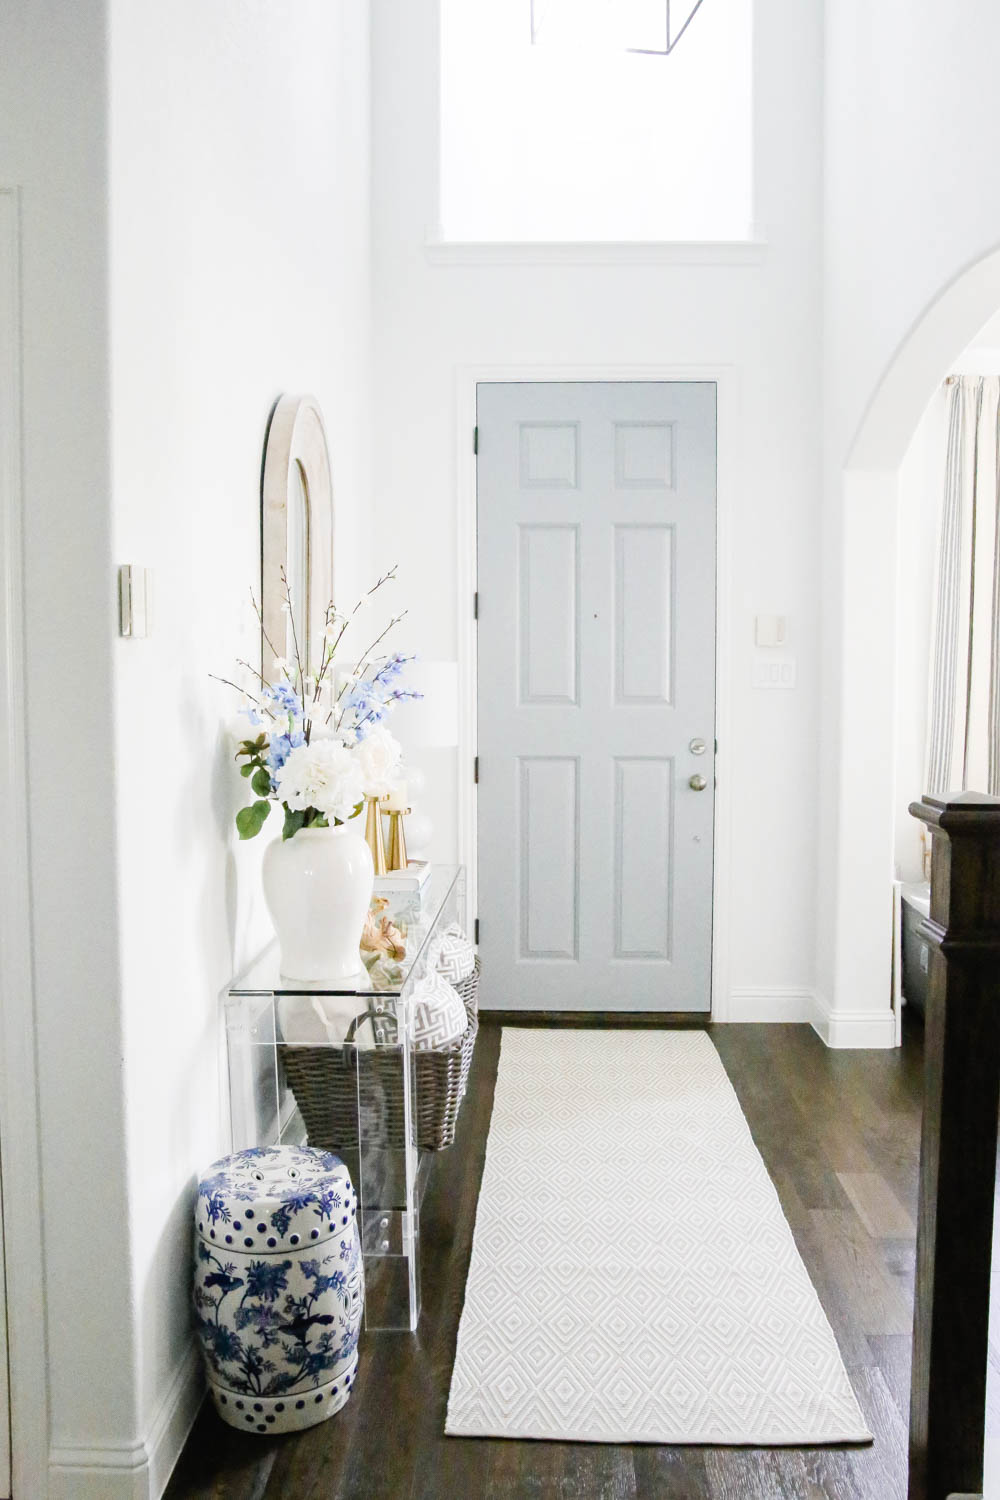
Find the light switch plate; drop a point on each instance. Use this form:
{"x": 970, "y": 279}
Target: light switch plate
{"x": 135, "y": 598}
{"x": 775, "y": 674}
{"x": 770, "y": 630}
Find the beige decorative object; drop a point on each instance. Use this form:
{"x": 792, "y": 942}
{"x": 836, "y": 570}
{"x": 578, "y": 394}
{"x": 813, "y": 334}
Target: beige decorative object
{"x": 383, "y": 936}
{"x": 393, "y": 938}
{"x": 296, "y": 531}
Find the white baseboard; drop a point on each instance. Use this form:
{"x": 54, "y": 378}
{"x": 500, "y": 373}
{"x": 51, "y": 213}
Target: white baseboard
{"x": 840, "y": 1029}
{"x": 854, "y": 1028}
{"x": 133, "y": 1471}
{"x": 771, "y": 1003}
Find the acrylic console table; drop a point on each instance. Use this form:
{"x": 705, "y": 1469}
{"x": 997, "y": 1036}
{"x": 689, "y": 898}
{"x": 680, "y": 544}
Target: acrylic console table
{"x": 341, "y": 1055}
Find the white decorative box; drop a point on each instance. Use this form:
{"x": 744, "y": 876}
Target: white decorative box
{"x": 412, "y": 878}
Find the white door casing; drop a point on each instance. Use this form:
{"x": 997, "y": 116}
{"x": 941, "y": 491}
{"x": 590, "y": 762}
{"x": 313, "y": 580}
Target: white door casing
{"x": 24, "y": 1442}
{"x": 597, "y": 564}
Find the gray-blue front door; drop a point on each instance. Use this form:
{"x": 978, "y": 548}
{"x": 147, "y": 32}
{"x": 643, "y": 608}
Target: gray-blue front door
{"x": 596, "y": 552}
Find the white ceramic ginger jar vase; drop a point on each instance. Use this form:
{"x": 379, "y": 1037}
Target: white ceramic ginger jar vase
{"x": 318, "y": 888}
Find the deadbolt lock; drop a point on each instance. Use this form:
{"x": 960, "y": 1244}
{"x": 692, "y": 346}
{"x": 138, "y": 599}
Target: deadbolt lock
{"x": 697, "y": 747}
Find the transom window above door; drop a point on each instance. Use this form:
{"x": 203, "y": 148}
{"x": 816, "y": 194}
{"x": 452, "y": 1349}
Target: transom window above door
{"x": 596, "y": 121}
{"x": 651, "y": 26}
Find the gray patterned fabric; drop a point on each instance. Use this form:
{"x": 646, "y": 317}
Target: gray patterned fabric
{"x": 963, "y": 742}
{"x": 439, "y": 1017}
{"x": 454, "y": 955}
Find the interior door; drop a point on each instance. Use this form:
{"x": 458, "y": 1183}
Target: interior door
{"x": 596, "y": 554}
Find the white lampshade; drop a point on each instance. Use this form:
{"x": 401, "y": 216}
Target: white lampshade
{"x": 433, "y": 719}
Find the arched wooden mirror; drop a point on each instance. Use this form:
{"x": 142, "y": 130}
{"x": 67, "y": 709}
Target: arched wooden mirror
{"x": 296, "y": 533}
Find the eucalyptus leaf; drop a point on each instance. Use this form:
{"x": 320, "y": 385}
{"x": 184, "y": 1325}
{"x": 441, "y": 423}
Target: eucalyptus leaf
{"x": 247, "y": 770}
{"x": 293, "y": 822}
{"x": 261, "y": 781}
{"x": 250, "y": 820}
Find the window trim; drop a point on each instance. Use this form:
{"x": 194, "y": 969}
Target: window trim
{"x": 439, "y": 251}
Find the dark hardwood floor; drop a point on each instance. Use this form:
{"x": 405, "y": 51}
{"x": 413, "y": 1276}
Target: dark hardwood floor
{"x": 839, "y": 1132}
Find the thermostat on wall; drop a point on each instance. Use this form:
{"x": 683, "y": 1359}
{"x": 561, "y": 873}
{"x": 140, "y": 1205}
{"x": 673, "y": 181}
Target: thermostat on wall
{"x": 768, "y": 673}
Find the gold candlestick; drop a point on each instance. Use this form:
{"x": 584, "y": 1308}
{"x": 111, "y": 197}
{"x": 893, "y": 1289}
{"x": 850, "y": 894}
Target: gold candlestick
{"x": 373, "y": 834}
{"x": 397, "y": 839}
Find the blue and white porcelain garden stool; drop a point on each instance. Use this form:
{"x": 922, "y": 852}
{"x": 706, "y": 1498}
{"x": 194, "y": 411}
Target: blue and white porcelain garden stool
{"x": 279, "y": 1286}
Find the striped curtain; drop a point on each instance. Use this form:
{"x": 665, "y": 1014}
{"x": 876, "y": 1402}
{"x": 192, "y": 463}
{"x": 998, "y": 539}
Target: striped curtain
{"x": 963, "y": 750}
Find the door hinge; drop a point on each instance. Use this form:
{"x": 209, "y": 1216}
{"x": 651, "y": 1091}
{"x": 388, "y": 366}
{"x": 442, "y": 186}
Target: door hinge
{"x": 475, "y": 605}
{"x": 475, "y": 439}
{"x": 476, "y": 931}
{"x": 475, "y": 770}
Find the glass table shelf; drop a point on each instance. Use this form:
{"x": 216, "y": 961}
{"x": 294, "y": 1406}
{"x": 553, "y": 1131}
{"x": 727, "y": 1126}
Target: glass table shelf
{"x": 341, "y": 1056}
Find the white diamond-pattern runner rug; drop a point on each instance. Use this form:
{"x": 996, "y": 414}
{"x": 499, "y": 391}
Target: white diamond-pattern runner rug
{"x": 633, "y": 1277}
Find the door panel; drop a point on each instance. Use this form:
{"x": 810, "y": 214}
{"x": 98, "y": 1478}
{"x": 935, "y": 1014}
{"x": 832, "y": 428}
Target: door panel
{"x": 596, "y": 560}
{"x": 643, "y": 616}
{"x": 548, "y": 821}
{"x": 644, "y": 819}
{"x": 548, "y": 625}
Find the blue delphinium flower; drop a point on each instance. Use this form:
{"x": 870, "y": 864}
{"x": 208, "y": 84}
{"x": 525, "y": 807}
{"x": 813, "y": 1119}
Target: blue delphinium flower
{"x": 373, "y": 697}
{"x": 284, "y": 699}
{"x": 280, "y": 747}
{"x": 393, "y": 666}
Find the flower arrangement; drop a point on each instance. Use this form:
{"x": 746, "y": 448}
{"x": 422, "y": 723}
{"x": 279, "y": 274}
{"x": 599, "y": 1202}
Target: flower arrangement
{"x": 318, "y": 749}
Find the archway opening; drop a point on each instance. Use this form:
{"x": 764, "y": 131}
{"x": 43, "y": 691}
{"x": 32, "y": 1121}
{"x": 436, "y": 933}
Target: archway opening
{"x": 881, "y": 573}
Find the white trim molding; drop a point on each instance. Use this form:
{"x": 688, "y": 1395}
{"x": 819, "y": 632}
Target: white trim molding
{"x": 729, "y": 448}
{"x": 139, "y": 1470}
{"x": 854, "y": 1029}
{"x": 772, "y": 1003}
{"x": 442, "y": 252}
{"x": 842, "y": 1029}
{"x": 19, "y": 1118}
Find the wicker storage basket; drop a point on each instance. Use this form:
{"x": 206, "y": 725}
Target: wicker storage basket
{"x": 469, "y": 991}
{"x": 331, "y": 1083}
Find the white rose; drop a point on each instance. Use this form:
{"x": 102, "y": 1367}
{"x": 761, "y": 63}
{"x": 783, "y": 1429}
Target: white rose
{"x": 378, "y": 755}
{"x": 324, "y": 775}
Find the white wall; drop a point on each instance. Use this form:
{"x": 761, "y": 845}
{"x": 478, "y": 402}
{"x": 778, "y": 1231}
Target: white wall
{"x": 909, "y": 216}
{"x": 921, "y": 481}
{"x": 761, "y": 320}
{"x": 194, "y": 199}
{"x": 240, "y": 270}
{"x": 910, "y": 118}
{"x": 53, "y": 148}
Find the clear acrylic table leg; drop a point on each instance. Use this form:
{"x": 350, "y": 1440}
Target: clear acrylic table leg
{"x": 387, "y": 1177}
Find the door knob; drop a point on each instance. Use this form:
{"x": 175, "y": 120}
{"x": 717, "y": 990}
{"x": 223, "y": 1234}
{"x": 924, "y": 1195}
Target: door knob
{"x": 697, "y": 783}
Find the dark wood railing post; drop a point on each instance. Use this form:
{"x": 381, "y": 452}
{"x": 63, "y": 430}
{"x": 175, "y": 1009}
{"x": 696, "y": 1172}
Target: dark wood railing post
{"x": 958, "y": 1148}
